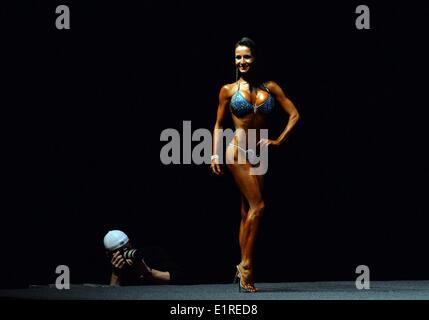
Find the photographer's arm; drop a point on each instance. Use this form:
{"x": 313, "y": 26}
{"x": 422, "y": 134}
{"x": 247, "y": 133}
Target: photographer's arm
{"x": 115, "y": 279}
{"x": 159, "y": 277}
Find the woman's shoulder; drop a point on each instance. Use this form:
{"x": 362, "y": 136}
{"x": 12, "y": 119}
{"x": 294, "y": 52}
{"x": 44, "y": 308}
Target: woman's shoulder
{"x": 229, "y": 89}
{"x": 271, "y": 85}
{"x": 274, "y": 88}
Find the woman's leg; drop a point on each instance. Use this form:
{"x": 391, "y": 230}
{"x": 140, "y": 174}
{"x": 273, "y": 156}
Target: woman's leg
{"x": 244, "y": 209}
{"x": 251, "y": 189}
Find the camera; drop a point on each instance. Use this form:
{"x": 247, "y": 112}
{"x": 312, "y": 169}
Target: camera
{"x": 133, "y": 254}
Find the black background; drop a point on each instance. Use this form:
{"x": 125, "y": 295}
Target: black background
{"x": 83, "y": 110}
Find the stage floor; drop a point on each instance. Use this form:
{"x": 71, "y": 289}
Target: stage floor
{"x": 339, "y": 290}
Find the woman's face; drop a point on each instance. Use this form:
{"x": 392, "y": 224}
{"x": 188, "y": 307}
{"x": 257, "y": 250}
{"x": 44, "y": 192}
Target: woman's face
{"x": 244, "y": 60}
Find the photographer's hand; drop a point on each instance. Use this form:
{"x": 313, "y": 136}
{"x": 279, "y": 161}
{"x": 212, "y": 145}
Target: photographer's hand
{"x": 118, "y": 262}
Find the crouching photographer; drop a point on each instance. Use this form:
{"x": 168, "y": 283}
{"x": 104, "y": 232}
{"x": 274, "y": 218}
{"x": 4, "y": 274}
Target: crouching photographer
{"x": 132, "y": 266}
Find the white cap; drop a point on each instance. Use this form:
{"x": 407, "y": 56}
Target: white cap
{"x": 115, "y": 239}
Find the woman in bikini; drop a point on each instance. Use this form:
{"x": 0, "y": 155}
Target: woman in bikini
{"x": 250, "y": 101}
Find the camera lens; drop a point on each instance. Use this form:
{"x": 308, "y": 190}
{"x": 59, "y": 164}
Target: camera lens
{"x": 133, "y": 254}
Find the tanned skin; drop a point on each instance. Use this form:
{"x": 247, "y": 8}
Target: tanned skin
{"x": 250, "y": 186}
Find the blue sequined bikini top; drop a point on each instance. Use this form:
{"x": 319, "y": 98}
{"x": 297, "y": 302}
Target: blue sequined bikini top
{"x": 241, "y": 107}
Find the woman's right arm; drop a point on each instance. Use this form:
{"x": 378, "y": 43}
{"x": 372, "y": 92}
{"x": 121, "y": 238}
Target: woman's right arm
{"x": 217, "y": 132}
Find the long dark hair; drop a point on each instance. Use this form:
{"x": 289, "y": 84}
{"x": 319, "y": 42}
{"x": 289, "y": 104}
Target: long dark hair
{"x": 257, "y": 76}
